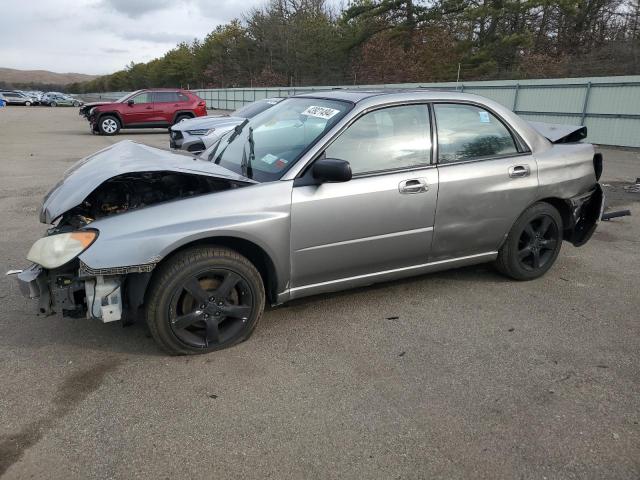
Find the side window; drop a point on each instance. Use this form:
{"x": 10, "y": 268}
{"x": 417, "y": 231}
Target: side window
{"x": 142, "y": 98}
{"x": 182, "y": 97}
{"x": 467, "y": 132}
{"x": 165, "y": 97}
{"x": 386, "y": 139}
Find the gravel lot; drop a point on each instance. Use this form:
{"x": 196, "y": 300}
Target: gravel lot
{"x": 461, "y": 374}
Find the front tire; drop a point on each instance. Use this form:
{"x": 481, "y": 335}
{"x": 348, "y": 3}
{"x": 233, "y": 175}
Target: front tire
{"x": 53, "y": 104}
{"x": 27, "y": 104}
{"x": 204, "y": 299}
{"x": 108, "y": 125}
{"x": 533, "y": 244}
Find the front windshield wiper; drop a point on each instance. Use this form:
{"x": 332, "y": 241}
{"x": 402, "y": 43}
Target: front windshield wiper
{"x": 246, "y": 165}
{"x": 237, "y": 130}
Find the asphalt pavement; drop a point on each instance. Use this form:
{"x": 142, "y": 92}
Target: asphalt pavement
{"x": 460, "y": 374}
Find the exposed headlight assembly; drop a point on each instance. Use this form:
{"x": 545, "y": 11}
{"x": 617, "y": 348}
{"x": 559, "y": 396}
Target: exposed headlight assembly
{"x": 201, "y": 132}
{"x": 56, "y": 250}
{"x": 93, "y": 109}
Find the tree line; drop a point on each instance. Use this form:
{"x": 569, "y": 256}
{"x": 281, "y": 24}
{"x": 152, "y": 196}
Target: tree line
{"x": 309, "y": 42}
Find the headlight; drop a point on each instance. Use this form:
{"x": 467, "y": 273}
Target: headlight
{"x": 56, "y": 250}
{"x": 201, "y": 132}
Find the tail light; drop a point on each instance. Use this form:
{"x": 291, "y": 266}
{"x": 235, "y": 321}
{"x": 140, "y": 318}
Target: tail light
{"x": 597, "y": 165}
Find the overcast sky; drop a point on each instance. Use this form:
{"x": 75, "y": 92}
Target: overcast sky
{"x": 102, "y": 36}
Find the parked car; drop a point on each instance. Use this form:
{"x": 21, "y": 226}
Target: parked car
{"x": 13, "y": 97}
{"x": 322, "y": 192}
{"x": 157, "y": 108}
{"x": 60, "y": 100}
{"x": 3, "y": 102}
{"x": 197, "y": 134}
{"x": 35, "y": 95}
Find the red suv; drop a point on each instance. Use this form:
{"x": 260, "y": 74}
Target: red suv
{"x": 156, "y": 108}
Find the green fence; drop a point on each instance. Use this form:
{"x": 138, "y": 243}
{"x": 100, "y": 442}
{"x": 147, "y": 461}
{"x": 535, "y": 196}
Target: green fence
{"x": 608, "y": 106}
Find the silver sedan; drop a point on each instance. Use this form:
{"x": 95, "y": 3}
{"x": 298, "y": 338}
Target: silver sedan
{"x": 322, "y": 192}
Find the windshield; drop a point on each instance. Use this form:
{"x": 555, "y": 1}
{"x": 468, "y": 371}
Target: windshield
{"x": 253, "y": 109}
{"x": 264, "y": 147}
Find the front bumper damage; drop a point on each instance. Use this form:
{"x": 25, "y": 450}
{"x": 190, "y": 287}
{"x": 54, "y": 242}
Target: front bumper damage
{"x": 73, "y": 295}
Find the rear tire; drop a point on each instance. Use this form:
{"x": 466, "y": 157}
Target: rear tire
{"x": 533, "y": 244}
{"x": 53, "y": 104}
{"x": 204, "y": 299}
{"x": 27, "y": 104}
{"x": 181, "y": 117}
{"x": 108, "y": 125}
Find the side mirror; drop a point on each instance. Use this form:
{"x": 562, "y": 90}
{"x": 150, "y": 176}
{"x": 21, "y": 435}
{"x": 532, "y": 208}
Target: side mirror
{"x": 130, "y": 102}
{"x": 331, "y": 170}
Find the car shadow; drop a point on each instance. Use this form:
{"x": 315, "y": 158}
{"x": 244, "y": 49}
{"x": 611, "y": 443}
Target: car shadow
{"x": 135, "y": 339}
{"x": 469, "y": 274}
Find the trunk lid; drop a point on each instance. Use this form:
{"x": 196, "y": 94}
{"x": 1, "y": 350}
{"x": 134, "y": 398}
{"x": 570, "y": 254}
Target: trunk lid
{"x": 559, "y": 133}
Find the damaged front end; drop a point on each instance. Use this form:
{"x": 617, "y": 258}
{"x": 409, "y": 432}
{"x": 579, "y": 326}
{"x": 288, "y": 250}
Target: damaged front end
{"x": 72, "y": 294}
{"x": 117, "y": 180}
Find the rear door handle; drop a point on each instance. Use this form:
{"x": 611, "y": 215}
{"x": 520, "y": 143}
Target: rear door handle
{"x": 517, "y": 171}
{"x": 415, "y": 185}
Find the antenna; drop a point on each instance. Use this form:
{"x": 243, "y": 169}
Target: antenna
{"x": 458, "y": 77}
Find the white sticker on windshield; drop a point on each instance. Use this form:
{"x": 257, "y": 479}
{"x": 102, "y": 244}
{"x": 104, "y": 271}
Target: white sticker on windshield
{"x": 484, "y": 117}
{"x": 269, "y": 159}
{"x": 320, "y": 112}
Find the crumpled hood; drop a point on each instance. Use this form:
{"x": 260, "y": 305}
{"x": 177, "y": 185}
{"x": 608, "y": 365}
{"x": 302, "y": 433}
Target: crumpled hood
{"x": 124, "y": 157}
{"x": 211, "y": 121}
{"x": 90, "y": 105}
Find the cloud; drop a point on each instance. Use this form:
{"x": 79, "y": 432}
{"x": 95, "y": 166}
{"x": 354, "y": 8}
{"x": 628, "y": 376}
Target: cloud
{"x": 137, "y": 8}
{"x": 102, "y": 36}
{"x": 114, "y": 50}
{"x": 156, "y": 37}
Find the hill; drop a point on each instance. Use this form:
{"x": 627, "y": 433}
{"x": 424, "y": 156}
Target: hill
{"x": 41, "y": 77}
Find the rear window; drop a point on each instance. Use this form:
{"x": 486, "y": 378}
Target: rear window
{"x": 160, "y": 97}
{"x": 467, "y": 132}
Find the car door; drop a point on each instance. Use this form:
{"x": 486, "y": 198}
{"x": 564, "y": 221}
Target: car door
{"x": 139, "y": 109}
{"x": 166, "y": 105}
{"x": 379, "y": 221}
{"x": 487, "y": 177}
{"x": 12, "y": 97}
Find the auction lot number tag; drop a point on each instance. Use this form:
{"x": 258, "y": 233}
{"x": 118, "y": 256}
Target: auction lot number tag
{"x": 320, "y": 112}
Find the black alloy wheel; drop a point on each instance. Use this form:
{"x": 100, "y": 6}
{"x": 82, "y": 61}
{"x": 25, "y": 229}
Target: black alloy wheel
{"x": 538, "y": 242}
{"x": 210, "y": 308}
{"x": 533, "y": 243}
{"x": 202, "y": 299}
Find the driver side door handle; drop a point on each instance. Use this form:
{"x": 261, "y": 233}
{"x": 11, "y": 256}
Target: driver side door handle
{"x": 414, "y": 185}
{"x": 517, "y": 171}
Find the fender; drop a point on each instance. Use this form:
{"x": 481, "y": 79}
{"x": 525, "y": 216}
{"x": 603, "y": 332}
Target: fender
{"x": 112, "y": 113}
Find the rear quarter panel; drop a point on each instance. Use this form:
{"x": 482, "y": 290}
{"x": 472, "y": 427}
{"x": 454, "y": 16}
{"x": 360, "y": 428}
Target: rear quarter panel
{"x": 566, "y": 170}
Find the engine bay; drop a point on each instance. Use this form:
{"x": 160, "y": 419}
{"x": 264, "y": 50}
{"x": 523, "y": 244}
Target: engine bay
{"x": 132, "y": 191}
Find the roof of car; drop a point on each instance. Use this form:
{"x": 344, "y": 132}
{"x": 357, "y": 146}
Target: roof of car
{"x": 356, "y": 96}
{"x": 163, "y": 89}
